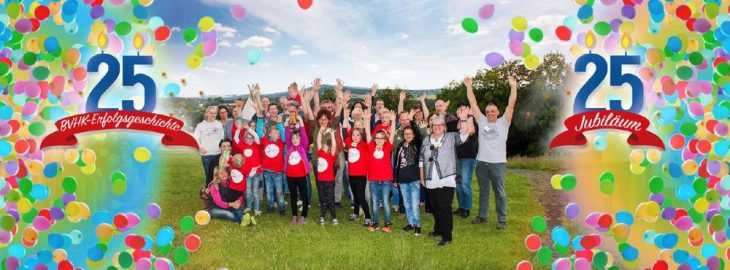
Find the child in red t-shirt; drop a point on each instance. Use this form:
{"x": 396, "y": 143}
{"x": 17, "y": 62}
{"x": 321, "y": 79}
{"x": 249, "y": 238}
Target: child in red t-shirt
{"x": 326, "y": 175}
{"x": 380, "y": 170}
{"x": 356, "y": 148}
{"x": 251, "y": 149}
{"x": 237, "y": 176}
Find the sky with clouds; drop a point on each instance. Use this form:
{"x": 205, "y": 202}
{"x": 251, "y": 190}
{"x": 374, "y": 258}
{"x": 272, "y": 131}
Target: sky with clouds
{"x": 412, "y": 44}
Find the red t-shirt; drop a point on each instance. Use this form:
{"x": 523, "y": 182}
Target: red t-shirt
{"x": 252, "y": 154}
{"x": 379, "y": 166}
{"x": 380, "y": 127}
{"x": 237, "y": 177}
{"x": 234, "y": 146}
{"x": 325, "y": 166}
{"x": 295, "y": 165}
{"x": 356, "y": 161}
{"x": 273, "y": 156}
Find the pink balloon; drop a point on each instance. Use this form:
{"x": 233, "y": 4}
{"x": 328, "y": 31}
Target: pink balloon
{"x": 684, "y": 223}
{"x": 57, "y": 85}
{"x": 162, "y": 264}
{"x": 486, "y": 11}
{"x": 516, "y": 47}
{"x": 115, "y": 44}
{"x": 23, "y": 26}
{"x": 117, "y": 2}
{"x": 610, "y": 44}
{"x": 32, "y": 90}
{"x": 41, "y": 223}
{"x": 238, "y": 12}
{"x": 143, "y": 264}
{"x": 582, "y": 264}
{"x": 695, "y": 108}
{"x": 210, "y": 47}
{"x": 29, "y": 109}
{"x": 132, "y": 220}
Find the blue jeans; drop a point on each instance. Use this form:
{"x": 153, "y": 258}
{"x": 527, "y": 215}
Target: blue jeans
{"x": 411, "y": 197}
{"x": 274, "y": 188}
{"x": 396, "y": 197}
{"x": 491, "y": 175}
{"x": 379, "y": 192}
{"x": 252, "y": 194}
{"x": 209, "y": 163}
{"x": 227, "y": 214}
{"x": 463, "y": 187}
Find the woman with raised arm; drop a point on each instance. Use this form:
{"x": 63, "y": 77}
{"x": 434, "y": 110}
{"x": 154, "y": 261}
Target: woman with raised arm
{"x": 357, "y": 164}
{"x": 380, "y": 170}
{"x": 297, "y": 168}
{"x": 406, "y": 173}
{"x": 438, "y": 169}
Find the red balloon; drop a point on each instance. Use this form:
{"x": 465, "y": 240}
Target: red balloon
{"x": 14, "y": 126}
{"x": 65, "y": 265}
{"x": 304, "y": 4}
{"x": 605, "y": 220}
{"x": 162, "y": 33}
{"x": 120, "y": 221}
{"x": 676, "y": 141}
{"x": 42, "y": 12}
{"x": 192, "y": 242}
{"x": 97, "y": 2}
{"x": 684, "y": 12}
{"x": 693, "y": 146}
{"x": 563, "y": 33}
{"x": 21, "y": 147}
{"x": 691, "y": 24}
{"x": 135, "y": 241}
{"x": 36, "y": 24}
{"x": 533, "y": 242}
{"x": 139, "y": 254}
{"x": 586, "y": 254}
{"x": 660, "y": 265}
{"x": 629, "y": 2}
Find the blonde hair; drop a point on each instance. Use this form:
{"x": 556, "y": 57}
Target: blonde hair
{"x": 216, "y": 171}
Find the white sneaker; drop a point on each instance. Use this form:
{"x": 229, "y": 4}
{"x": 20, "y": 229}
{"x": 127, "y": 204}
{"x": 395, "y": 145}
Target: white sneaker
{"x": 321, "y": 221}
{"x": 246, "y": 210}
{"x": 299, "y": 203}
{"x": 334, "y": 222}
{"x": 257, "y": 213}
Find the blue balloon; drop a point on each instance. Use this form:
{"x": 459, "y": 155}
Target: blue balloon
{"x": 45, "y": 256}
{"x": 70, "y": 7}
{"x": 708, "y": 251}
{"x": 101, "y": 217}
{"x": 675, "y": 170}
{"x": 726, "y": 45}
{"x": 585, "y": 12}
{"x": 721, "y": 148}
{"x": 674, "y": 44}
{"x": 6, "y": 112}
{"x": 725, "y": 28}
{"x": 51, "y": 44}
{"x": 165, "y": 236}
{"x": 719, "y": 35}
{"x": 5, "y": 148}
{"x": 630, "y": 253}
{"x": 670, "y": 240}
{"x": 55, "y": 240}
{"x": 95, "y": 254}
{"x": 685, "y": 191}
{"x": 254, "y": 56}
{"x": 51, "y": 170}
{"x": 656, "y": 7}
{"x": 680, "y": 256}
{"x": 148, "y": 243}
{"x": 720, "y": 112}
{"x": 140, "y": 12}
{"x": 625, "y": 218}
{"x": 576, "y": 243}
{"x": 560, "y": 236}
{"x": 39, "y": 192}
{"x": 16, "y": 251}
{"x": 172, "y": 90}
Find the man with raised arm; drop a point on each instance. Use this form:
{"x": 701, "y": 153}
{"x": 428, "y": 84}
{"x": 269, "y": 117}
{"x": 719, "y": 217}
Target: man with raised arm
{"x": 492, "y": 155}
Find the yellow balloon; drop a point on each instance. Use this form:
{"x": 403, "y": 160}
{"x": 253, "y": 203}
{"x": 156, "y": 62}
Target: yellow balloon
{"x": 654, "y": 56}
{"x": 652, "y": 208}
{"x": 626, "y": 27}
{"x": 621, "y": 232}
{"x": 532, "y": 61}
{"x": 84, "y": 211}
{"x": 630, "y": 264}
{"x": 202, "y": 217}
{"x": 519, "y": 23}
{"x": 142, "y": 154}
{"x": 72, "y": 56}
{"x": 689, "y": 167}
{"x": 59, "y": 255}
{"x": 94, "y": 264}
{"x": 636, "y": 169}
{"x": 71, "y": 156}
{"x": 653, "y": 155}
{"x": 57, "y": 19}
{"x": 35, "y": 167}
{"x": 701, "y": 205}
{"x": 576, "y": 50}
{"x": 194, "y": 62}
{"x": 55, "y": 8}
{"x": 98, "y": 27}
{"x": 32, "y": 45}
{"x": 99, "y": 136}
{"x": 555, "y": 181}
{"x": 73, "y": 209}
{"x": 88, "y": 169}
{"x": 640, "y": 211}
{"x": 636, "y": 156}
{"x": 146, "y": 3}
{"x": 88, "y": 156}
{"x": 104, "y": 231}
{"x": 694, "y": 234}
{"x": 24, "y": 205}
{"x": 206, "y": 24}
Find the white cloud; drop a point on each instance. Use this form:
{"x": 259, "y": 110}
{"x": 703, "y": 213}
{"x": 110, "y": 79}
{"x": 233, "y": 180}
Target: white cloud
{"x": 298, "y": 52}
{"x": 225, "y": 31}
{"x": 296, "y": 47}
{"x": 399, "y": 73}
{"x": 256, "y": 41}
{"x": 547, "y": 23}
{"x": 225, "y": 43}
{"x": 372, "y": 67}
{"x": 175, "y": 29}
{"x": 402, "y": 35}
{"x": 269, "y": 29}
{"x": 315, "y": 66}
{"x": 216, "y": 70}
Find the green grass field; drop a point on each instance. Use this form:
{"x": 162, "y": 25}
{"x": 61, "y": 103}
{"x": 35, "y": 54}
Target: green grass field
{"x": 275, "y": 243}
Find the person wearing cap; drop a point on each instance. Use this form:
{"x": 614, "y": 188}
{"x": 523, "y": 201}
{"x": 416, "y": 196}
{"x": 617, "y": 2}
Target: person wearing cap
{"x": 438, "y": 169}
{"x": 492, "y": 154}
{"x": 208, "y": 133}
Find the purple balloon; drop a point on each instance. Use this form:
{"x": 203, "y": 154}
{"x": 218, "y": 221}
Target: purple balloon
{"x": 110, "y": 25}
{"x": 154, "y": 211}
{"x": 615, "y": 23}
{"x": 702, "y": 25}
{"x": 97, "y": 12}
{"x": 514, "y": 35}
{"x": 494, "y": 59}
{"x": 67, "y": 198}
{"x": 657, "y": 197}
{"x": 23, "y": 26}
{"x": 572, "y": 210}
{"x": 11, "y": 167}
{"x": 713, "y": 263}
{"x": 57, "y": 213}
{"x": 486, "y": 11}
{"x": 628, "y": 12}
{"x": 5, "y": 129}
{"x": 668, "y": 213}
{"x": 210, "y": 35}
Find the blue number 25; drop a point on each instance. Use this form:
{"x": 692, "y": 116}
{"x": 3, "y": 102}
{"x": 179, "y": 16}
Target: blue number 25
{"x": 617, "y": 78}
{"x": 129, "y": 78}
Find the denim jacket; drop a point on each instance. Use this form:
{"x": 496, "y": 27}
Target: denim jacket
{"x": 442, "y": 158}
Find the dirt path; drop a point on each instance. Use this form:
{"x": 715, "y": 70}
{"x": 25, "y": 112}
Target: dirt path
{"x": 553, "y": 200}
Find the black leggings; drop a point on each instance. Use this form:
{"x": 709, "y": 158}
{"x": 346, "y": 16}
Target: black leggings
{"x": 298, "y": 185}
{"x": 357, "y": 184}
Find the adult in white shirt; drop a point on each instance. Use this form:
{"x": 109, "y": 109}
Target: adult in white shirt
{"x": 492, "y": 155}
{"x": 208, "y": 134}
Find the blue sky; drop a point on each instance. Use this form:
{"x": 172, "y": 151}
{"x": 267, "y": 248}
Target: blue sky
{"x": 413, "y": 44}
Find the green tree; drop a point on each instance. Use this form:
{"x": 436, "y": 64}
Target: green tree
{"x": 391, "y": 96}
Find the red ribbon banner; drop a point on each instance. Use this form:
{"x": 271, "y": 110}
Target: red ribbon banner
{"x": 105, "y": 120}
{"x": 606, "y": 119}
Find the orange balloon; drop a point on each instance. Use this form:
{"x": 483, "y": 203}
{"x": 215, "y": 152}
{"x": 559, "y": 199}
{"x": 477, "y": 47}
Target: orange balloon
{"x": 72, "y": 57}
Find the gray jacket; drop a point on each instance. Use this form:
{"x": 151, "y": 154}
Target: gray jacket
{"x": 442, "y": 158}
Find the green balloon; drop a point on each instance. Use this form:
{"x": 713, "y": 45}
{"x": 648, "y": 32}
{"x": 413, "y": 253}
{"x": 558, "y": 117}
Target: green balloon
{"x": 568, "y": 181}
{"x": 186, "y": 224}
{"x": 180, "y": 255}
{"x": 538, "y": 224}
{"x": 696, "y": 217}
{"x": 13, "y": 196}
{"x": 600, "y": 259}
{"x": 712, "y": 196}
{"x": 4, "y": 69}
{"x": 623, "y": 246}
{"x": 711, "y": 10}
{"x": 119, "y": 187}
{"x": 470, "y": 25}
{"x": 606, "y": 186}
{"x": 69, "y": 184}
{"x": 28, "y": 217}
{"x": 688, "y": 128}
{"x": 709, "y": 37}
{"x": 684, "y": 72}
{"x": 616, "y": 267}
{"x": 123, "y": 28}
{"x": 561, "y": 250}
{"x": 535, "y": 34}
{"x": 656, "y": 184}
{"x": 125, "y": 259}
{"x": 41, "y": 73}
{"x": 37, "y": 129}
{"x": 57, "y": 52}
{"x": 164, "y": 250}
{"x": 112, "y": 267}
{"x": 7, "y": 222}
{"x": 13, "y": 10}
{"x": 25, "y": 185}
{"x": 723, "y": 69}
{"x": 47, "y": 57}
{"x": 695, "y": 58}
{"x": 602, "y": 28}
{"x": 526, "y": 49}
{"x": 29, "y": 58}
{"x": 190, "y": 35}
{"x": 717, "y": 222}
{"x": 699, "y": 185}
{"x": 118, "y": 176}
{"x": 16, "y": 38}
{"x": 544, "y": 255}
{"x": 608, "y": 176}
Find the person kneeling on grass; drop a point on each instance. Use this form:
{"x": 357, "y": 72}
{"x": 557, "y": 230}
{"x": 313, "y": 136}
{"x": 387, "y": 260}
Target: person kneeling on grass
{"x": 224, "y": 202}
{"x": 326, "y": 175}
{"x": 297, "y": 166}
{"x": 380, "y": 170}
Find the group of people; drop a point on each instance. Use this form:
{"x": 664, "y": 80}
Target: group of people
{"x": 359, "y": 149}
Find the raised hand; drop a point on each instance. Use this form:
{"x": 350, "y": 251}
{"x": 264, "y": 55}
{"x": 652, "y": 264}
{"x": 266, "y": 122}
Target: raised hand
{"x": 316, "y": 83}
{"x": 347, "y": 96}
{"x": 468, "y": 82}
{"x": 339, "y": 85}
{"x": 402, "y": 95}
{"x": 374, "y": 88}
{"x": 512, "y": 81}
{"x": 463, "y": 113}
{"x": 423, "y": 97}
